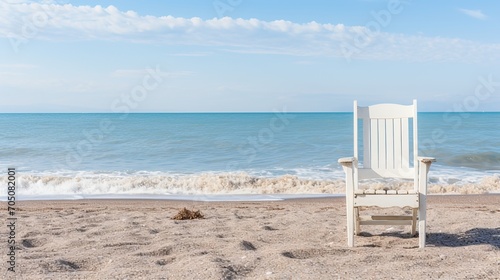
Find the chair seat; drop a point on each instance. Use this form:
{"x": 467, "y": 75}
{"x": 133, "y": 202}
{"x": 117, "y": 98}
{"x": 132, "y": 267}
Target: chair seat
{"x": 371, "y": 191}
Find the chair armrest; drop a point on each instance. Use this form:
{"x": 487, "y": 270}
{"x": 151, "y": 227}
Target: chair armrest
{"x": 426, "y": 159}
{"x": 346, "y": 160}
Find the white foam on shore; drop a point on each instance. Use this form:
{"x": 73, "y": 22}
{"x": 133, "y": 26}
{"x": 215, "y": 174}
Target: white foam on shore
{"x": 146, "y": 185}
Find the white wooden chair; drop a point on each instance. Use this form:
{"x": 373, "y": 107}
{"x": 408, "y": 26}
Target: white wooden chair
{"x": 386, "y": 154}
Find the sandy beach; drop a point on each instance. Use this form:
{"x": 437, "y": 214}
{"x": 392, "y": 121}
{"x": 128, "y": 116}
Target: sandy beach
{"x": 291, "y": 239}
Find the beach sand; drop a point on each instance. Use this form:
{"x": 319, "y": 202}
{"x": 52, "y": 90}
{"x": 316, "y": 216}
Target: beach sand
{"x": 292, "y": 239}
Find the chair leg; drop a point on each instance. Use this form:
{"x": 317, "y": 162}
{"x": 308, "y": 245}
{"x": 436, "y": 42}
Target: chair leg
{"x": 357, "y": 229}
{"x": 421, "y": 226}
{"x": 414, "y": 222}
{"x": 350, "y": 225}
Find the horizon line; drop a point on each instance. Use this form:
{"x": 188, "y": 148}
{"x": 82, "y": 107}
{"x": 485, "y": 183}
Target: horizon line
{"x": 230, "y": 112}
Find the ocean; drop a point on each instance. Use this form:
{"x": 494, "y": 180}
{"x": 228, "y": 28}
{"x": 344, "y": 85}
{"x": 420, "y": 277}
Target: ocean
{"x": 191, "y": 154}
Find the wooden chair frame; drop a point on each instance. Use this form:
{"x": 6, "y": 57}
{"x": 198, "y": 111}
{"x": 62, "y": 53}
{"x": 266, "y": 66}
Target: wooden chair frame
{"x": 386, "y": 146}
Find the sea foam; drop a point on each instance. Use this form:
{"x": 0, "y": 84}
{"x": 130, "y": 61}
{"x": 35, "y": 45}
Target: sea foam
{"x": 237, "y": 183}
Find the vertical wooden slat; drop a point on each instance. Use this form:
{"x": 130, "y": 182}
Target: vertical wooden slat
{"x": 405, "y": 144}
{"x": 366, "y": 143}
{"x": 415, "y": 141}
{"x": 374, "y": 143}
{"x": 397, "y": 144}
{"x": 356, "y": 145}
{"x": 355, "y": 129}
{"x": 389, "y": 129}
{"x": 381, "y": 144}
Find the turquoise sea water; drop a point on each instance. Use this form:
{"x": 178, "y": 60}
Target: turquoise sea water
{"x": 212, "y": 153}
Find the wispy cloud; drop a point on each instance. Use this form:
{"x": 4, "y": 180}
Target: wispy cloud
{"x": 195, "y": 54}
{"x": 68, "y": 22}
{"x": 128, "y": 73}
{"x": 138, "y": 73}
{"x": 478, "y": 14}
{"x": 18, "y": 66}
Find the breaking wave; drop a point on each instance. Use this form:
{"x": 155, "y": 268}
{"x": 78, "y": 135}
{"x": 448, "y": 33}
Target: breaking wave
{"x": 219, "y": 183}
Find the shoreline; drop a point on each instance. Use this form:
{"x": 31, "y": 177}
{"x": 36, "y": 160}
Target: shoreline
{"x": 218, "y": 197}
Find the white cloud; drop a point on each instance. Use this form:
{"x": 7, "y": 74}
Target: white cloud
{"x": 474, "y": 13}
{"x": 34, "y": 21}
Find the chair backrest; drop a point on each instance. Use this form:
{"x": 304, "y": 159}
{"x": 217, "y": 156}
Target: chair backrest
{"x": 387, "y": 140}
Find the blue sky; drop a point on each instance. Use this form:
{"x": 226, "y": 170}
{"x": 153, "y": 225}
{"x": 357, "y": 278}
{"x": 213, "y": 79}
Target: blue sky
{"x": 247, "y": 55}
